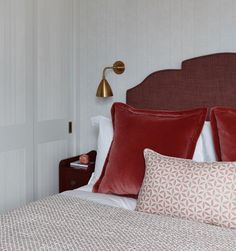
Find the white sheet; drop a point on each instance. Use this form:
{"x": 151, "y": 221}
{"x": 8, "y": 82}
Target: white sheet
{"x": 85, "y": 192}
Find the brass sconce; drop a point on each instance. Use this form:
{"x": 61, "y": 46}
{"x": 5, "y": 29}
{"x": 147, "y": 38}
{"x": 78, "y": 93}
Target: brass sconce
{"x": 104, "y": 90}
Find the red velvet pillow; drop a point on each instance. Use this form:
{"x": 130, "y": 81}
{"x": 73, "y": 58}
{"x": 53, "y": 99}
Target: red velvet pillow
{"x": 169, "y": 133}
{"x": 223, "y": 123}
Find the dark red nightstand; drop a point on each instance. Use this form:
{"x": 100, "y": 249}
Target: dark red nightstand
{"x": 71, "y": 178}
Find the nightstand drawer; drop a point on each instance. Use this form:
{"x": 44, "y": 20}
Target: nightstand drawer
{"x": 74, "y": 178}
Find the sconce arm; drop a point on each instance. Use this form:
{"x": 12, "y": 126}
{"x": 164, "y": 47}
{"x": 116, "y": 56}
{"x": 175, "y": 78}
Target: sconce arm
{"x": 104, "y": 71}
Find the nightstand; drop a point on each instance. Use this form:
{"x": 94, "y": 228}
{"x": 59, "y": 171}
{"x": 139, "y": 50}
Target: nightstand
{"x": 71, "y": 178}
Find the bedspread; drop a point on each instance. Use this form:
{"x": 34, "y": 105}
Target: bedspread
{"x": 66, "y": 223}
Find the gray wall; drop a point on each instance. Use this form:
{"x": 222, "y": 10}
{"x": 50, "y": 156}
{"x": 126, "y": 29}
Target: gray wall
{"x": 147, "y": 35}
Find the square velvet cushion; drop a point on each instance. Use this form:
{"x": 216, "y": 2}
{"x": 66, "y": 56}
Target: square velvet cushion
{"x": 223, "y": 122}
{"x": 170, "y": 133}
{"x": 200, "y": 191}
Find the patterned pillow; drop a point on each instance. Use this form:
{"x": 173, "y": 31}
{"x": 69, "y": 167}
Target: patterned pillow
{"x": 205, "y": 192}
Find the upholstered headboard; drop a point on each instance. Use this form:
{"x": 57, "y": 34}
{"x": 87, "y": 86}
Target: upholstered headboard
{"x": 204, "y": 81}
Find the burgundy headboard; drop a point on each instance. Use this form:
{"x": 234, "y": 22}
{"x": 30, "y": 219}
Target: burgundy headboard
{"x": 204, "y": 81}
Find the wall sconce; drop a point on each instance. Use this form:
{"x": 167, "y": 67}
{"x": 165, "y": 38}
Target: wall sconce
{"x": 104, "y": 90}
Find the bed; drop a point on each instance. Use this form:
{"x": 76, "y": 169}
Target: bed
{"x": 83, "y": 220}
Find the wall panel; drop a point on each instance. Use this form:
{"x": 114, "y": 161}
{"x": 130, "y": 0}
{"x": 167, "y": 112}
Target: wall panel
{"x": 13, "y": 54}
{"x": 16, "y": 106}
{"x": 53, "y": 92}
{"x": 49, "y": 155}
{"x": 36, "y": 101}
{"x": 13, "y": 179}
{"x": 54, "y": 60}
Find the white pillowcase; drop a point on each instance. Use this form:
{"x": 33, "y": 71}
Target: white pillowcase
{"x": 204, "y": 151}
{"x": 105, "y": 137}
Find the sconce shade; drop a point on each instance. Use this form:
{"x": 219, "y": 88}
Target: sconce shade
{"x": 104, "y": 89}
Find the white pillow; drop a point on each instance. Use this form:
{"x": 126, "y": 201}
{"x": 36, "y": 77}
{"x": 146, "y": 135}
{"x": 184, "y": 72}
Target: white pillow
{"x": 204, "y": 151}
{"x": 105, "y": 137}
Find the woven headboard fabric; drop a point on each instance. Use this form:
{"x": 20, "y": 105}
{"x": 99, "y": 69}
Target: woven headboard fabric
{"x": 204, "y": 81}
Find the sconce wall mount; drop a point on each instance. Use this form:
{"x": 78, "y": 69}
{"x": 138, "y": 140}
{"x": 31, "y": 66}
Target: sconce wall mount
{"x": 104, "y": 90}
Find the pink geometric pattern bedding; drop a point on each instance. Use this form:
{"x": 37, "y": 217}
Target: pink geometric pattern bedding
{"x": 204, "y": 192}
